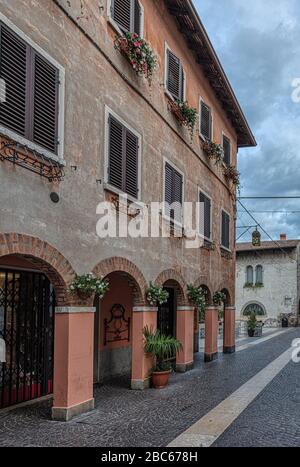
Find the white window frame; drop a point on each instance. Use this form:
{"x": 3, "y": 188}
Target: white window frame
{"x": 211, "y": 215}
{"x": 262, "y": 274}
{"x": 202, "y": 100}
{"x": 59, "y": 157}
{"x": 107, "y": 185}
{"x": 228, "y": 137}
{"x": 164, "y": 215}
{"x": 117, "y": 27}
{"x": 166, "y": 73}
{"x": 222, "y": 246}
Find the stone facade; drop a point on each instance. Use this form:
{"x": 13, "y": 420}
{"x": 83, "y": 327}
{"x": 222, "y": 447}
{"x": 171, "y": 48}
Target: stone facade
{"x": 279, "y": 291}
{"x": 60, "y": 239}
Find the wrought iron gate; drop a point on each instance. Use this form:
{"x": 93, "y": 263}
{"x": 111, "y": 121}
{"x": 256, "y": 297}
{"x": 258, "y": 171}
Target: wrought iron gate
{"x": 167, "y": 314}
{"x": 27, "y": 302}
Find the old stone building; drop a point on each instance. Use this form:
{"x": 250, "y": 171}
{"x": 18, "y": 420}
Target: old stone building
{"x": 267, "y": 281}
{"x": 78, "y": 127}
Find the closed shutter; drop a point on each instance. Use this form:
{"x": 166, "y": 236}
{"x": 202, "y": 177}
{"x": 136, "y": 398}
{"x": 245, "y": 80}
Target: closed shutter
{"x": 13, "y": 64}
{"x": 173, "y": 193}
{"x": 206, "y": 121}
{"x": 206, "y": 207}
{"x": 175, "y": 76}
{"x": 123, "y": 158}
{"x": 122, "y": 13}
{"x": 45, "y": 104}
{"x": 227, "y": 149}
{"x": 131, "y": 166}
{"x": 115, "y": 150}
{"x": 225, "y": 229}
{"x": 137, "y": 17}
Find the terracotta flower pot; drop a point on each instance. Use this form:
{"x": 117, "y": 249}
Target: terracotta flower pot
{"x": 160, "y": 379}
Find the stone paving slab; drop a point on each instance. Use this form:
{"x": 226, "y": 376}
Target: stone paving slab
{"x": 143, "y": 418}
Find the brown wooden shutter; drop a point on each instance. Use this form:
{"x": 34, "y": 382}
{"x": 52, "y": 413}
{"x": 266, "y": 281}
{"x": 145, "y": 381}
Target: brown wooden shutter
{"x": 131, "y": 165}
{"x": 13, "y": 65}
{"x": 206, "y": 122}
{"x": 45, "y": 111}
{"x": 173, "y": 192}
{"x": 174, "y": 70}
{"x": 137, "y": 17}
{"x": 207, "y": 215}
{"x": 225, "y": 229}
{"x": 115, "y": 153}
{"x": 122, "y": 14}
{"x": 181, "y": 94}
{"x": 227, "y": 149}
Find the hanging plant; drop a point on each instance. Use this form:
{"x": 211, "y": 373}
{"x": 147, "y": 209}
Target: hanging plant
{"x": 198, "y": 297}
{"x": 186, "y": 115}
{"x": 88, "y": 284}
{"x": 138, "y": 52}
{"x": 213, "y": 151}
{"x": 219, "y": 298}
{"x": 156, "y": 295}
{"x": 232, "y": 174}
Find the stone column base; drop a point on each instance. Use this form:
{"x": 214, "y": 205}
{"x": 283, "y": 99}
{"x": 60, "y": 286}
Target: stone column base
{"x": 65, "y": 414}
{"x": 140, "y": 384}
{"x": 229, "y": 350}
{"x": 184, "y": 367}
{"x": 210, "y": 357}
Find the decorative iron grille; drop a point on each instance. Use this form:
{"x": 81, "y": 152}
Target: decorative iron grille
{"x": 117, "y": 327}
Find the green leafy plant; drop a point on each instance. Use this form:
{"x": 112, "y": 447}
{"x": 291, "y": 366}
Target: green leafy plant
{"x": 232, "y": 174}
{"x": 161, "y": 347}
{"x": 213, "y": 151}
{"x": 138, "y": 52}
{"x": 156, "y": 295}
{"x": 198, "y": 297}
{"x": 186, "y": 115}
{"x": 252, "y": 322}
{"x": 89, "y": 284}
{"x": 219, "y": 298}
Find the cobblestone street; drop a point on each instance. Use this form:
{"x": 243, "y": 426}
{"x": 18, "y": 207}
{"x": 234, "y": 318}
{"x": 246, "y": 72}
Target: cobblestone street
{"x": 154, "y": 418}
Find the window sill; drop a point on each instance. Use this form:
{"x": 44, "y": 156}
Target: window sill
{"x": 226, "y": 252}
{"x": 111, "y": 189}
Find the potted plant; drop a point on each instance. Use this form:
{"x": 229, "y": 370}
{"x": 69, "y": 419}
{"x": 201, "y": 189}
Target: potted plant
{"x": 219, "y": 298}
{"x": 162, "y": 348}
{"x": 197, "y": 297}
{"x": 213, "y": 151}
{"x": 156, "y": 295}
{"x": 87, "y": 284}
{"x": 139, "y": 54}
{"x": 185, "y": 114}
{"x": 251, "y": 324}
{"x": 231, "y": 172}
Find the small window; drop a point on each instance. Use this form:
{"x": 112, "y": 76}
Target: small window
{"x": 205, "y": 216}
{"x": 227, "y": 150}
{"x": 123, "y": 156}
{"x": 128, "y": 15}
{"x": 225, "y": 235}
{"x": 32, "y": 91}
{"x": 173, "y": 193}
{"x": 249, "y": 275}
{"x": 205, "y": 121}
{"x": 259, "y": 275}
{"x": 174, "y": 76}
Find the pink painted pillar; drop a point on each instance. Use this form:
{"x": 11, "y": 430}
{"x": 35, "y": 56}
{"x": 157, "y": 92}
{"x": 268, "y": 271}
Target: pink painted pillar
{"x": 73, "y": 362}
{"x": 211, "y": 333}
{"x": 229, "y": 330}
{"x": 185, "y": 334}
{"x": 141, "y": 363}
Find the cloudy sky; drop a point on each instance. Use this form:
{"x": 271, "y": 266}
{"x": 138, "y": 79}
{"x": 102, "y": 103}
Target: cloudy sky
{"x": 258, "y": 43}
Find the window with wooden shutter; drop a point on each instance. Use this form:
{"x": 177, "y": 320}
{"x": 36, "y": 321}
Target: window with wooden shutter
{"x": 175, "y": 76}
{"x": 227, "y": 149}
{"x": 32, "y": 87}
{"x": 123, "y": 151}
{"x": 205, "y": 121}
{"x": 173, "y": 193}
{"x": 225, "y": 236}
{"x": 127, "y": 14}
{"x": 205, "y": 215}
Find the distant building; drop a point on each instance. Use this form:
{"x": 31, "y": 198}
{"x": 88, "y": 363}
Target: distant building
{"x": 267, "y": 280}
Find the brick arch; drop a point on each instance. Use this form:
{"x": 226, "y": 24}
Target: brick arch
{"x": 172, "y": 276}
{"x": 202, "y": 281}
{"x": 135, "y": 277}
{"x": 43, "y": 256}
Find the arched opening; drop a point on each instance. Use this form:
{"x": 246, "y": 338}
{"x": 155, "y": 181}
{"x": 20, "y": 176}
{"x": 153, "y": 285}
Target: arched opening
{"x": 201, "y": 319}
{"x": 222, "y": 321}
{"x": 29, "y": 291}
{"x": 166, "y": 316}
